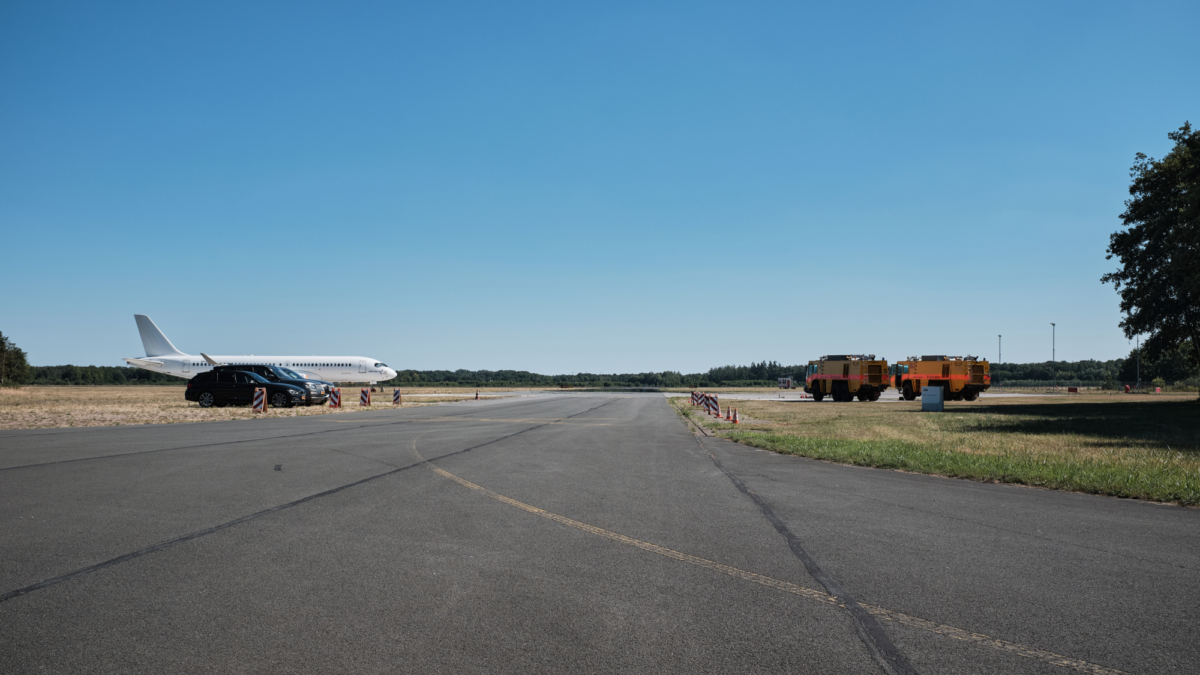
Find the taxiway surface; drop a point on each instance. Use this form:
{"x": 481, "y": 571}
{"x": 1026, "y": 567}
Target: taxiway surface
{"x": 575, "y": 532}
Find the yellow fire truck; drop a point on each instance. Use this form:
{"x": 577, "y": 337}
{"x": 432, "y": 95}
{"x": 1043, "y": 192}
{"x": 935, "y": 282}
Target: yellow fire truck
{"x": 845, "y": 376}
{"x": 961, "y": 378}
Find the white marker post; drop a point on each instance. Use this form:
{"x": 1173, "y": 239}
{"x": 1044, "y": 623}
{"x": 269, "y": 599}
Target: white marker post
{"x": 933, "y": 399}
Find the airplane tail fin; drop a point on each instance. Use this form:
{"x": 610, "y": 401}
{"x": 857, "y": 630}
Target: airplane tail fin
{"x": 153, "y": 340}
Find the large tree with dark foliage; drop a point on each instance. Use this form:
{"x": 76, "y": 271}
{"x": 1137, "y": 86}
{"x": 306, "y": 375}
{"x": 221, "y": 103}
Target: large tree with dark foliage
{"x": 1159, "y": 277}
{"x": 14, "y": 367}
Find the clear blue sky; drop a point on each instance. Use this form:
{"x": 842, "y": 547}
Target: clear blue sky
{"x": 561, "y": 188}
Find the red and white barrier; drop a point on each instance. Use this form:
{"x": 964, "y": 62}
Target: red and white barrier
{"x": 260, "y": 399}
{"x": 335, "y": 397}
{"x": 712, "y": 405}
{"x": 396, "y": 397}
{"x": 364, "y": 398}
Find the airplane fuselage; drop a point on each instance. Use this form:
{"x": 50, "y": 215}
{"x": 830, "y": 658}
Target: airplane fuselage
{"x": 163, "y": 357}
{"x": 331, "y": 368}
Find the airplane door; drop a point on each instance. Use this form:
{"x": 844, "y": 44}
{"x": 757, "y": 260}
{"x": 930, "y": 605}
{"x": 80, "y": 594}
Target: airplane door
{"x": 362, "y": 366}
{"x": 187, "y": 366}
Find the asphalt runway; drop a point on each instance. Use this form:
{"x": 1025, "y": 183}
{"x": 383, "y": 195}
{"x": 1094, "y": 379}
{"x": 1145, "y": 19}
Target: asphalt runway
{"x": 581, "y": 532}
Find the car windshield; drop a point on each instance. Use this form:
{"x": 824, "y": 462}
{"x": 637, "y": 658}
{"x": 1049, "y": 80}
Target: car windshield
{"x": 288, "y": 372}
{"x": 257, "y": 378}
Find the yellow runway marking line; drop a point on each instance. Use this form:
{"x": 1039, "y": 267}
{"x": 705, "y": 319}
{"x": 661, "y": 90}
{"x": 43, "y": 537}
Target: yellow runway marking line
{"x": 788, "y": 587}
{"x": 644, "y": 545}
{"x": 521, "y": 420}
{"x": 995, "y": 643}
{"x": 590, "y": 422}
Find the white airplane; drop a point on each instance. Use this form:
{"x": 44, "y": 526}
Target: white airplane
{"x": 163, "y": 357}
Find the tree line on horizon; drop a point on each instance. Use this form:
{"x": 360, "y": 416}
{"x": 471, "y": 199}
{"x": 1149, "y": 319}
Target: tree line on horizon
{"x": 1169, "y": 365}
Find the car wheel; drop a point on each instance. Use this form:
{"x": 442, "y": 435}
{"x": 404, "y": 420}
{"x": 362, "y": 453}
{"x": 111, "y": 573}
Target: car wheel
{"x": 280, "y": 399}
{"x": 206, "y": 399}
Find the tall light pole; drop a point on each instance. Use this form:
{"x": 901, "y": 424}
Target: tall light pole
{"x": 1053, "y": 355}
{"x": 999, "y": 349}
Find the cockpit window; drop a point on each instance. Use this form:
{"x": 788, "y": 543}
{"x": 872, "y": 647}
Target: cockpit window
{"x": 381, "y": 365}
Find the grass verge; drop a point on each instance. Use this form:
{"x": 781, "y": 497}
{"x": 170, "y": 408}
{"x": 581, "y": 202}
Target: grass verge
{"x": 1123, "y": 447}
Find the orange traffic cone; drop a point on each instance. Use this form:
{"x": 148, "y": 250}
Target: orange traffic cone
{"x": 728, "y": 414}
{"x": 735, "y": 417}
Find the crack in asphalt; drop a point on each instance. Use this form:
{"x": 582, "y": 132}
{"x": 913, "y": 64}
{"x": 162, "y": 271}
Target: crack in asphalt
{"x": 885, "y": 652}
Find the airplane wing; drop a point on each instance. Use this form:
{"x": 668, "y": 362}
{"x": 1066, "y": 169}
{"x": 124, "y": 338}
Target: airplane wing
{"x": 210, "y": 360}
{"x": 144, "y": 363}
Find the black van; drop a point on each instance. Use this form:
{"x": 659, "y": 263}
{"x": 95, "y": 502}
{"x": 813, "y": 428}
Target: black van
{"x": 235, "y": 387}
{"x": 315, "y": 391}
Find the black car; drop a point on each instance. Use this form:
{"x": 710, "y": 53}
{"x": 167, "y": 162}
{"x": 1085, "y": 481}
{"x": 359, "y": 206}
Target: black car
{"x": 316, "y": 391}
{"x": 235, "y": 387}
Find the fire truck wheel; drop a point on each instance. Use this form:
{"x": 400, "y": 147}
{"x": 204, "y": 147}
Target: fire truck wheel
{"x": 958, "y": 396}
{"x": 875, "y": 396}
{"x": 817, "y": 395}
{"x": 863, "y": 396}
{"x": 971, "y": 395}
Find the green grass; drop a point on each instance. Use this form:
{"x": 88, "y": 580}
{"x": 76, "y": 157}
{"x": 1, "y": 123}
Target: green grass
{"x": 1118, "y": 446}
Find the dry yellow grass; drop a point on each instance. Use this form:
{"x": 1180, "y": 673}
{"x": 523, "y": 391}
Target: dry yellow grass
{"x": 51, "y": 407}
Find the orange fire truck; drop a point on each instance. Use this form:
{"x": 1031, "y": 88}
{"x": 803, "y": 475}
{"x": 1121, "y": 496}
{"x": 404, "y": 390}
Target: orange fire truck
{"x": 961, "y": 378}
{"x": 845, "y": 376}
